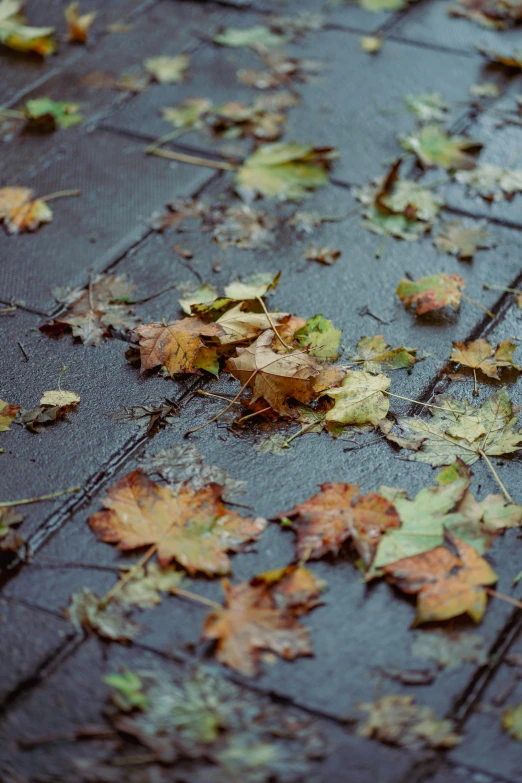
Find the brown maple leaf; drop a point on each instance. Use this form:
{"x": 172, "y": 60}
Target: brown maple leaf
{"x": 449, "y": 580}
{"x": 92, "y": 312}
{"x": 78, "y": 25}
{"x": 178, "y": 346}
{"x": 275, "y": 377}
{"x": 335, "y": 514}
{"x": 192, "y": 527}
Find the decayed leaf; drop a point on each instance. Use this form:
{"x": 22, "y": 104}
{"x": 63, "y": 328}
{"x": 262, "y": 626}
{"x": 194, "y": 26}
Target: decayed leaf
{"x": 245, "y": 228}
{"x": 485, "y": 90}
{"x": 323, "y": 255}
{"x": 376, "y": 356}
{"x": 284, "y": 170}
{"x": 512, "y": 61}
{"x": 360, "y": 399}
{"x": 146, "y": 586}
{"x": 46, "y": 115}
{"x": 53, "y": 405}
{"x": 431, "y": 293}
{"x": 280, "y": 70}
{"x": 255, "y": 36}
{"x": 7, "y": 414}
{"x": 434, "y": 147}
{"x": 371, "y": 44}
{"x": 192, "y": 527}
{"x": 168, "y": 70}
{"x": 450, "y": 649}
{"x": 20, "y": 213}
{"x": 253, "y": 621}
{"x": 512, "y": 722}
{"x": 448, "y": 580}
{"x": 91, "y": 313}
{"x": 274, "y": 377}
{"x": 462, "y": 238}
{"x": 10, "y": 539}
{"x": 78, "y": 25}
{"x": 110, "y": 622}
{"x": 396, "y": 720}
{"x": 264, "y": 119}
{"x": 320, "y": 338}
{"x": 461, "y": 430}
{"x": 16, "y": 34}
{"x": 335, "y": 514}
{"x": 179, "y": 346}
{"x": 495, "y": 14}
{"x": 427, "y": 106}
{"x": 239, "y": 326}
{"x": 492, "y": 182}
{"x": 480, "y": 355}
{"x": 60, "y": 398}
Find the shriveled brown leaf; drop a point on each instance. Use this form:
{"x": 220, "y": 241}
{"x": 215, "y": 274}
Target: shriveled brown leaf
{"x": 179, "y": 346}
{"x": 78, "y": 25}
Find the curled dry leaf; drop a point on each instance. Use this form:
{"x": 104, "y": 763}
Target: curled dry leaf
{"x": 376, "y": 356}
{"x": 462, "y": 239}
{"x": 431, "y": 293}
{"x": 480, "y": 355}
{"x": 168, "y": 70}
{"x": 360, "y": 399}
{"x": 91, "y": 313}
{"x": 78, "y": 25}
{"x": 449, "y": 581}
{"x": 87, "y": 613}
{"x": 193, "y": 528}
{"x": 492, "y": 182}
{"x": 335, "y": 514}
{"x": 434, "y": 147}
{"x": 179, "y": 346}
{"x": 16, "y": 34}
{"x": 8, "y": 414}
{"x": 20, "y": 213}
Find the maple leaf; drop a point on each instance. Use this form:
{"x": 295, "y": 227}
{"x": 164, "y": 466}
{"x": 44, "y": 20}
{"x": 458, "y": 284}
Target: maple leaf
{"x": 492, "y": 182}
{"x": 203, "y": 301}
{"x": 257, "y": 35}
{"x": 168, "y": 70}
{"x": 360, "y": 399}
{"x": 480, "y": 355}
{"x": 320, "y": 338}
{"x": 494, "y": 14}
{"x": 427, "y": 106}
{"x": 396, "y": 720}
{"x": 192, "y": 527}
{"x": 274, "y": 377}
{"x": 78, "y": 25}
{"x": 87, "y": 613}
{"x": 434, "y": 147}
{"x": 16, "y": 34}
{"x": 462, "y": 239}
{"x": 335, "y": 514}
{"x": 20, "y": 213}
{"x": 8, "y": 414}
{"x": 178, "y": 346}
{"x": 449, "y": 581}
{"x": 461, "y": 430}
{"x": 91, "y": 313}
{"x": 512, "y": 721}
{"x": 512, "y": 61}
{"x": 147, "y": 585}
{"x": 450, "y": 649}
{"x": 284, "y": 170}
{"x": 239, "y": 326}
{"x": 251, "y": 623}
{"x": 431, "y": 293}
{"x": 377, "y": 356}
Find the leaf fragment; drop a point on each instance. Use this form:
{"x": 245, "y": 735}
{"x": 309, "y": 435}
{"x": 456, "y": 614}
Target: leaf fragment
{"x": 493, "y": 14}
{"x": 434, "y": 147}
{"x": 16, "y": 34}
{"x": 10, "y": 539}
{"x": 450, "y": 649}
{"x": 45, "y": 115}
{"x": 320, "y": 338}
{"x": 513, "y": 61}
{"x": 8, "y": 414}
{"x": 427, "y": 106}
{"x": 78, "y": 25}
{"x": 396, "y": 720}
{"x": 323, "y": 255}
{"x": 512, "y": 722}
{"x": 431, "y": 293}
{"x": 492, "y": 182}
{"x": 168, "y": 70}
{"x": 87, "y": 613}
{"x": 462, "y": 238}
{"x": 20, "y": 213}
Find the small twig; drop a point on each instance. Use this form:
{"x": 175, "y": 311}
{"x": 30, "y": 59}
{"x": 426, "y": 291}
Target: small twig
{"x": 217, "y": 396}
{"x": 60, "y": 194}
{"x": 256, "y": 413}
{"x": 475, "y": 389}
{"x": 194, "y": 159}
{"x": 419, "y": 402}
{"x": 200, "y": 599}
{"x": 502, "y": 597}
{"x": 502, "y": 288}
{"x": 380, "y": 249}
{"x": 164, "y": 139}
{"x": 26, "y": 355}
{"x": 496, "y": 476}
{"x": 272, "y": 324}
{"x": 218, "y": 415}
{"x": 62, "y": 373}
{"x": 469, "y": 299}
{"x": 26, "y": 501}
{"x": 304, "y": 428}
{"x": 13, "y": 113}
{"x": 8, "y": 310}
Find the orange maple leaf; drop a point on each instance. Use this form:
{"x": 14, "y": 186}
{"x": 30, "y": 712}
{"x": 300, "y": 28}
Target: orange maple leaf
{"x": 178, "y": 346}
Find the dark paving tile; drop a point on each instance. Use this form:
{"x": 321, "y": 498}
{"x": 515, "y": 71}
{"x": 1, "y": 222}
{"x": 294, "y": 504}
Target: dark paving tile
{"x": 60, "y": 705}
{"x": 459, "y": 774}
{"x": 120, "y": 188}
{"x": 29, "y": 639}
{"x": 343, "y": 13}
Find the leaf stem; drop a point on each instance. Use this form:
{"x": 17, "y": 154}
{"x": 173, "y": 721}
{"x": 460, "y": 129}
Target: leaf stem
{"x": 194, "y": 159}
{"x": 218, "y": 415}
{"x": 256, "y": 413}
{"x": 122, "y": 581}
{"x": 503, "y": 597}
{"x": 164, "y": 139}
{"x": 217, "y": 396}
{"x": 477, "y": 304}
{"x": 496, "y": 476}
{"x": 419, "y": 402}
{"x": 60, "y": 194}
{"x": 502, "y": 288}
{"x": 13, "y": 113}
{"x": 200, "y": 599}
{"x": 272, "y": 324}
{"x": 304, "y": 428}
{"x": 26, "y": 501}
{"x": 380, "y": 249}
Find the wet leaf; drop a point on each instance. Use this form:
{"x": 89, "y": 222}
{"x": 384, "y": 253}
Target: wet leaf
{"x": 86, "y": 613}
{"x": 280, "y": 69}
{"x": 494, "y": 14}
{"x": 450, "y": 649}
{"x": 323, "y": 255}
{"x": 427, "y": 106}
{"x": 46, "y": 115}
{"x": 60, "y": 398}
{"x": 431, "y": 293}
{"x": 336, "y": 514}
{"x": 16, "y": 34}
{"x": 20, "y": 213}
{"x": 448, "y": 580}
{"x": 168, "y": 70}
{"x": 462, "y": 238}
{"x": 320, "y": 338}
{"x": 257, "y": 35}
{"x": 127, "y": 694}
{"x": 284, "y": 170}
{"x": 485, "y": 90}
{"x": 8, "y": 414}
{"x": 512, "y": 722}
{"x": 434, "y": 147}
{"x": 396, "y": 720}
{"x": 193, "y": 528}
{"x": 371, "y": 44}
{"x": 188, "y": 113}
{"x": 512, "y": 61}
{"x": 481, "y": 355}
{"x": 243, "y": 327}
{"x": 179, "y": 346}
{"x": 492, "y": 182}
{"x": 256, "y": 285}
{"x": 376, "y": 356}
{"x": 147, "y": 585}
{"x": 360, "y": 399}
{"x": 78, "y": 25}
{"x": 91, "y": 313}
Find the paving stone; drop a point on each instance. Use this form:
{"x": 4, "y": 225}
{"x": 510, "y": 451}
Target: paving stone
{"x": 46, "y": 712}
{"x": 342, "y": 14}
{"x": 30, "y": 638}
{"x": 120, "y": 188}
{"x": 459, "y": 774}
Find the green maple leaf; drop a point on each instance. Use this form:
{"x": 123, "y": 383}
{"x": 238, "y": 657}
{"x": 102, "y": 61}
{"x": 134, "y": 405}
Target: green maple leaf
{"x": 320, "y": 337}
{"x": 431, "y": 293}
{"x": 377, "y": 356}
{"x": 360, "y": 399}
{"x": 45, "y": 114}
{"x": 434, "y": 147}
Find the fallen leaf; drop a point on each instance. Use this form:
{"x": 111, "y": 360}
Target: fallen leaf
{"x": 371, "y": 44}
{"x": 492, "y": 182}
{"x": 462, "y": 238}
{"x": 239, "y": 326}
{"x": 46, "y": 115}
{"x": 192, "y": 527}
{"x": 10, "y": 539}
{"x": 127, "y": 82}
{"x": 245, "y": 228}
{"x": 427, "y": 106}
{"x": 16, "y": 34}
{"x": 280, "y": 70}
{"x": 284, "y": 170}
{"x": 485, "y": 90}
{"x": 376, "y": 356}
{"x": 87, "y": 613}
{"x": 434, "y": 147}
{"x": 360, "y": 399}
{"x": 494, "y": 14}
{"x": 8, "y": 414}
{"x": 320, "y": 338}
{"x": 512, "y": 61}
{"x": 91, "y": 312}
{"x": 179, "y": 346}
{"x": 323, "y": 255}
{"x": 293, "y": 588}
{"x": 256, "y": 285}
{"x": 19, "y": 213}
{"x": 431, "y": 293}
{"x": 127, "y": 694}
{"x": 396, "y": 720}
{"x": 203, "y": 294}
{"x": 257, "y": 35}
{"x": 336, "y": 514}
{"x": 60, "y": 398}
{"x": 480, "y": 355}
{"x": 450, "y": 649}
{"x": 512, "y": 722}
{"x": 78, "y": 26}
{"x": 188, "y": 113}
{"x": 53, "y": 405}
{"x": 168, "y": 70}
{"x": 448, "y": 580}
{"x": 146, "y": 586}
